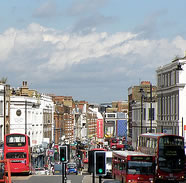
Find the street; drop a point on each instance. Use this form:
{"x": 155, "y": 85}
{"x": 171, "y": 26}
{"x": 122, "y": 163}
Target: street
{"x": 57, "y": 179}
{"x": 47, "y": 179}
{"x": 54, "y": 179}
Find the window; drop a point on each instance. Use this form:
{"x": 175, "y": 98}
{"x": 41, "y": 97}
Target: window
{"x": 166, "y": 80}
{"x": 15, "y": 140}
{"x": 176, "y": 107}
{"x": 151, "y": 114}
{"x": 144, "y": 141}
{"x": 172, "y": 76}
{"x": 1, "y": 107}
{"x": 144, "y": 114}
{"x": 168, "y": 108}
{"x": 111, "y": 115}
{"x": 153, "y": 143}
{"x": 148, "y": 142}
{"x": 177, "y": 77}
{"x": 16, "y": 155}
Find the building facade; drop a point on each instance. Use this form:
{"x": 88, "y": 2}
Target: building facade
{"x": 141, "y": 99}
{"x": 171, "y": 95}
{"x": 142, "y": 119}
{"x": 31, "y": 113}
{"x": 28, "y": 116}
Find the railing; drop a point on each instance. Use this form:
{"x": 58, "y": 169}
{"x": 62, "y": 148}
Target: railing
{"x": 5, "y": 177}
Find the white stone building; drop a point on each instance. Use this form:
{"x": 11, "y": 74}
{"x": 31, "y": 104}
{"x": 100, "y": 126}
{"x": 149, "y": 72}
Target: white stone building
{"x": 33, "y": 117}
{"x": 171, "y": 95}
{"x": 141, "y": 121}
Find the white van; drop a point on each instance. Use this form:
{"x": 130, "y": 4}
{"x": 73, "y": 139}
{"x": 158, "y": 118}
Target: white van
{"x": 109, "y": 163}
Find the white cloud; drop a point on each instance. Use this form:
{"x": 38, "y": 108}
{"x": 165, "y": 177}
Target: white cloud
{"x": 45, "y": 55}
{"x": 65, "y": 49}
{"x": 6, "y": 43}
{"x": 180, "y": 43}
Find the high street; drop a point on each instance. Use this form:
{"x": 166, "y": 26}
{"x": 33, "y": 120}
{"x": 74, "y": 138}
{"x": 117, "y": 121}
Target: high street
{"x": 55, "y": 179}
{"x": 47, "y": 179}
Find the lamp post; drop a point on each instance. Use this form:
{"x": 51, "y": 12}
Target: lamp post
{"x": 54, "y": 130}
{"x": 142, "y": 95}
{"x": 150, "y": 108}
{"x": 179, "y": 68}
{"x": 25, "y": 117}
{"x": 4, "y": 109}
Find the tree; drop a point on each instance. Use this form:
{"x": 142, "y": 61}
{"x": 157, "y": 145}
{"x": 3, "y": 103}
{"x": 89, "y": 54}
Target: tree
{"x": 3, "y": 80}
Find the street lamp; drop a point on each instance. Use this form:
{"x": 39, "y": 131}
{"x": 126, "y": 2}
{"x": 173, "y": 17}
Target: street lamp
{"x": 3, "y": 92}
{"x": 150, "y": 108}
{"x": 179, "y": 68}
{"x": 26, "y": 116}
{"x": 4, "y": 110}
{"x": 142, "y": 95}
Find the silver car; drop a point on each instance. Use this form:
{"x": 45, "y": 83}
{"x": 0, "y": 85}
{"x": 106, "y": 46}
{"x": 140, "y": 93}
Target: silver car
{"x": 40, "y": 171}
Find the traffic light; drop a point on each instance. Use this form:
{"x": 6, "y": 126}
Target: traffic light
{"x": 100, "y": 163}
{"x": 63, "y": 154}
{"x": 80, "y": 154}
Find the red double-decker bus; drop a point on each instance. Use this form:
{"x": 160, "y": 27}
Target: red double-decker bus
{"x": 169, "y": 153}
{"x": 17, "y": 150}
{"x": 83, "y": 154}
{"x": 116, "y": 144}
{"x": 131, "y": 166}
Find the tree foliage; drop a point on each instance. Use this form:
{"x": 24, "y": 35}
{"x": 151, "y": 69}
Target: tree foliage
{"x": 3, "y": 80}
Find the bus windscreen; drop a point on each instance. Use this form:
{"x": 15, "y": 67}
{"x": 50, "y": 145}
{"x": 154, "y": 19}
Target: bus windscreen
{"x": 171, "y": 154}
{"x": 15, "y": 140}
{"x": 139, "y": 167}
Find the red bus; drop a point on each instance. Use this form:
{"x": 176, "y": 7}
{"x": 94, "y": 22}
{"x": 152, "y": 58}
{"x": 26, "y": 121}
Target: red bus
{"x": 116, "y": 144}
{"x": 169, "y": 153}
{"x": 17, "y": 150}
{"x": 83, "y": 155}
{"x": 131, "y": 166}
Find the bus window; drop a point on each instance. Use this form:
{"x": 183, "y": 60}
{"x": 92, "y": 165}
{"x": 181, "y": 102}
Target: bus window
{"x": 15, "y": 155}
{"x": 150, "y": 145}
{"x": 155, "y": 142}
{"x": 148, "y": 142}
{"x": 143, "y": 141}
{"x": 121, "y": 166}
{"x": 140, "y": 141}
{"x": 137, "y": 167}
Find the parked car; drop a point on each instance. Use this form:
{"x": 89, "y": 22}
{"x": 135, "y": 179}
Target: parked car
{"x": 40, "y": 171}
{"x": 72, "y": 168}
{"x": 57, "y": 170}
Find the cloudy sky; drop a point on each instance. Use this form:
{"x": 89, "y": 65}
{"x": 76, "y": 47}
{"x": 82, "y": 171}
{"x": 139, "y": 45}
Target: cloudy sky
{"x": 92, "y": 50}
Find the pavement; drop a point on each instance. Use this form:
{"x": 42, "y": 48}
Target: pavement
{"x": 89, "y": 179}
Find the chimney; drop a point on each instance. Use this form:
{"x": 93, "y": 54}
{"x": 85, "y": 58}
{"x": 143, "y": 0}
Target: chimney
{"x": 24, "y": 83}
{"x": 24, "y": 89}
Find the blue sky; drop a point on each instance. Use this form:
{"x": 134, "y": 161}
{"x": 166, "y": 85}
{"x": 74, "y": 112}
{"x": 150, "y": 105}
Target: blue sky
{"x": 92, "y": 50}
